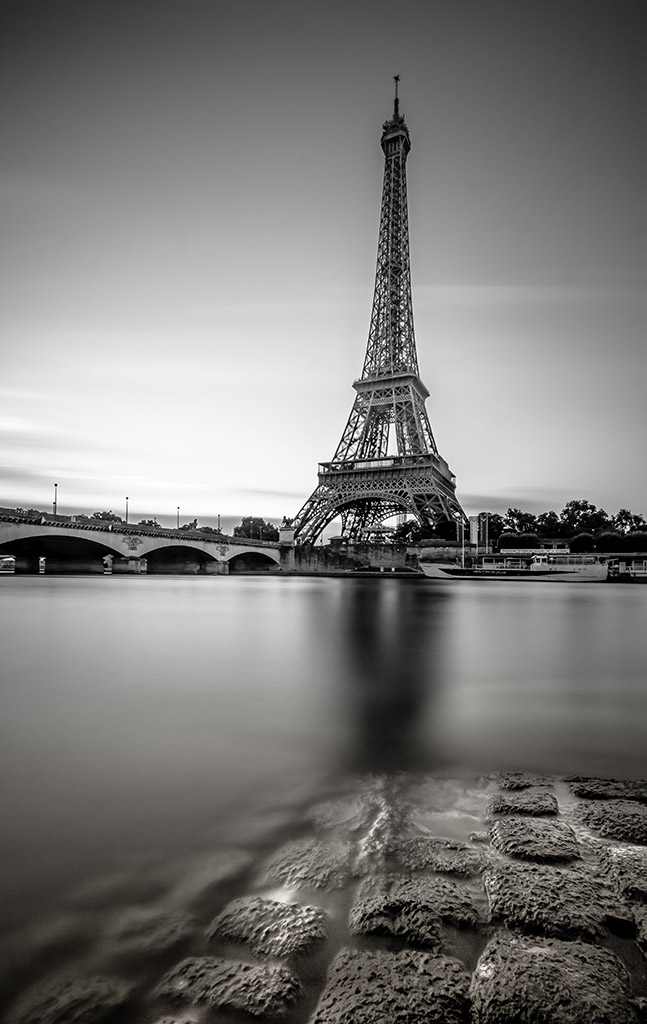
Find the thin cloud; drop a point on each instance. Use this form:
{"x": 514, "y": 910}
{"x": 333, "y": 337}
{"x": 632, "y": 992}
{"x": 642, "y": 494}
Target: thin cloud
{"x": 21, "y": 475}
{"x": 259, "y": 492}
{"x": 472, "y": 295}
{"x": 528, "y": 500}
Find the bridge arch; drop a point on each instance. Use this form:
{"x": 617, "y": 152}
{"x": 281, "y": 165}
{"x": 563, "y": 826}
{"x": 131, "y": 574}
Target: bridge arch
{"x": 59, "y": 553}
{"x": 84, "y": 546}
{"x": 185, "y": 559}
{"x": 253, "y": 562}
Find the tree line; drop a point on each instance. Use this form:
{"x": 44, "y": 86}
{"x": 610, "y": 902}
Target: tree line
{"x": 585, "y": 526}
{"x": 578, "y": 519}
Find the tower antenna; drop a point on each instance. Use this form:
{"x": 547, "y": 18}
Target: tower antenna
{"x": 396, "y": 101}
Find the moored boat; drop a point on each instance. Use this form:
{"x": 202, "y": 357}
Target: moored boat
{"x": 544, "y": 567}
{"x": 628, "y": 569}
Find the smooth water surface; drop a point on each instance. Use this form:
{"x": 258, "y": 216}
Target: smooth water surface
{"x": 147, "y": 717}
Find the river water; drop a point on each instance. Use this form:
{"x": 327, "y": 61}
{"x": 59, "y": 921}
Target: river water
{"x": 144, "y": 720}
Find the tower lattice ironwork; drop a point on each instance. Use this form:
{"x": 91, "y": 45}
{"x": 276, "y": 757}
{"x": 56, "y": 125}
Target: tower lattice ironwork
{"x": 364, "y": 484}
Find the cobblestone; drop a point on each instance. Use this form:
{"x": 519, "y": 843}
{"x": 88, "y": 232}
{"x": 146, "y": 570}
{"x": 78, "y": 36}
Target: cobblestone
{"x": 532, "y": 839}
{"x": 607, "y": 789}
{"x": 176, "y": 1020}
{"x": 640, "y": 917}
{"x": 615, "y": 819}
{"x": 312, "y": 863}
{"x": 627, "y": 867}
{"x": 270, "y": 928}
{"x": 428, "y": 854}
{"x": 522, "y": 780}
{"x": 410, "y": 907}
{"x": 519, "y": 979}
{"x": 527, "y": 802}
{"x": 228, "y": 984}
{"x": 555, "y": 901}
{"x": 70, "y": 1000}
{"x": 148, "y": 930}
{"x": 412, "y": 987}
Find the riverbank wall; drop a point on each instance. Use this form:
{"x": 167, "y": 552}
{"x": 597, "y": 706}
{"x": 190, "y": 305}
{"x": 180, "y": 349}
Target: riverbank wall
{"x": 333, "y": 559}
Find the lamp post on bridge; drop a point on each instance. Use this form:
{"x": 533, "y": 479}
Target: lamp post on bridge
{"x": 178, "y": 518}
{"x": 55, "y": 505}
{"x": 126, "y": 508}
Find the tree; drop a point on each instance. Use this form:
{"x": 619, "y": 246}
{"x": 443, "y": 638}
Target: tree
{"x": 445, "y": 529}
{"x": 495, "y": 525}
{"x": 579, "y": 516}
{"x": 519, "y": 522}
{"x": 618, "y": 542}
{"x": 412, "y": 532}
{"x": 582, "y": 542}
{"x": 407, "y": 533}
{"x": 610, "y": 541}
{"x": 256, "y": 529}
{"x": 636, "y": 541}
{"x": 518, "y": 540}
{"x": 190, "y": 526}
{"x": 110, "y": 517}
{"x": 507, "y": 540}
{"x": 625, "y": 521}
{"x": 549, "y": 524}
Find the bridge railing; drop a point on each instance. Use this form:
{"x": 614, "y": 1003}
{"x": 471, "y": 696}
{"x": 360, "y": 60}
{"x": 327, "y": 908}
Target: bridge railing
{"x": 112, "y": 526}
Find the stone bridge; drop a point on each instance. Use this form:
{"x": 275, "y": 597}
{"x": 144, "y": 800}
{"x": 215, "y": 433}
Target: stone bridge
{"x": 41, "y": 542}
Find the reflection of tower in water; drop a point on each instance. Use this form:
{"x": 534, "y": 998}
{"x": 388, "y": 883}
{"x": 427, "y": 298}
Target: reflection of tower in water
{"x": 394, "y": 635}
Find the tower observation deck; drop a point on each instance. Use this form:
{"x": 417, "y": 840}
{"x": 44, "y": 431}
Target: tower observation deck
{"x": 387, "y": 461}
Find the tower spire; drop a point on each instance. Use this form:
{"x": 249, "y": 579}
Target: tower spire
{"x": 368, "y": 481}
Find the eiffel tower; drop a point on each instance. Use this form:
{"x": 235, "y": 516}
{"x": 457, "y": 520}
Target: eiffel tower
{"x": 364, "y": 484}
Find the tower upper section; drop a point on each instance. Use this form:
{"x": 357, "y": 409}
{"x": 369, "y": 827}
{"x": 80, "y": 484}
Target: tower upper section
{"x": 391, "y": 342}
{"x": 393, "y": 130}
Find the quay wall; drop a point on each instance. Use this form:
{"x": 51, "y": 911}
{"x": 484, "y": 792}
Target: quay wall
{"x": 349, "y": 558}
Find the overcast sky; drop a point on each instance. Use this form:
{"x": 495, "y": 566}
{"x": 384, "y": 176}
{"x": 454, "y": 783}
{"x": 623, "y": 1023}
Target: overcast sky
{"x": 190, "y": 195}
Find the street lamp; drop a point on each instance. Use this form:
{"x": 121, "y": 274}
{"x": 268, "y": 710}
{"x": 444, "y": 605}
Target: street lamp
{"x": 126, "y": 508}
{"x": 55, "y": 506}
{"x": 178, "y": 517}
{"x": 458, "y": 519}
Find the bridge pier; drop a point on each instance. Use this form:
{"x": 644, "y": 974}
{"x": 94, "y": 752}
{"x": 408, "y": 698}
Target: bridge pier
{"x": 133, "y": 565}
{"x": 186, "y": 566}
{"x": 287, "y": 562}
{"x": 128, "y": 565}
{"x": 217, "y": 568}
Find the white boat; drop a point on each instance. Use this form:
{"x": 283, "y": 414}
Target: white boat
{"x": 545, "y": 568}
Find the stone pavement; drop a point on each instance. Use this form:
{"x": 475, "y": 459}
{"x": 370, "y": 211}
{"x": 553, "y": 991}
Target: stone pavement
{"x": 421, "y": 899}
